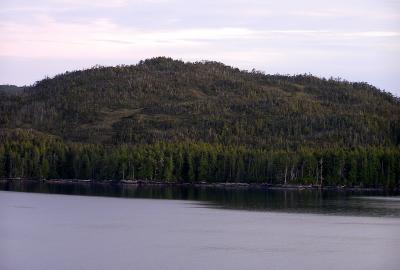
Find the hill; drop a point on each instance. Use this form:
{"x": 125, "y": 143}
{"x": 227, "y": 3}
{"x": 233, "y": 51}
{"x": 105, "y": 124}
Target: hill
{"x": 204, "y": 105}
{"x": 10, "y": 89}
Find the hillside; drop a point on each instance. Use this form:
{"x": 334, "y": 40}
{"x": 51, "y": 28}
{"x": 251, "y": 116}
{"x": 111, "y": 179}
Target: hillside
{"x": 161, "y": 100}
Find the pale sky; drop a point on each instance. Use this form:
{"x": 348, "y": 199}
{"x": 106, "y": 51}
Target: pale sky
{"x": 358, "y": 40}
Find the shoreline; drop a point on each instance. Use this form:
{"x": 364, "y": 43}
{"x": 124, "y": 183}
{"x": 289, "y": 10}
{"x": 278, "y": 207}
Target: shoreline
{"x": 200, "y": 184}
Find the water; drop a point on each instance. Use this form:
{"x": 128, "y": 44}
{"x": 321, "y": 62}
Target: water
{"x": 352, "y": 203}
{"x": 203, "y": 228}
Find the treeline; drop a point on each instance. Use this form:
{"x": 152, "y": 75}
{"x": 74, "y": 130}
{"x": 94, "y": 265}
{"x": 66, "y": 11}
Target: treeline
{"x": 51, "y": 158}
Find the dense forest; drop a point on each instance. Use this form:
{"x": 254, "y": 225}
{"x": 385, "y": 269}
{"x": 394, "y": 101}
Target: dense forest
{"x": 168, "y": 120}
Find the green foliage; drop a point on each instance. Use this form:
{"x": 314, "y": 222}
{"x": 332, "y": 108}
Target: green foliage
{"x": 161, "y": 99}
{"x": 168, "y": 120}
{"x": 27, "y": 154}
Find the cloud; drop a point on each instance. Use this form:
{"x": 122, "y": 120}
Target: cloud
{"x": 49, "y": 38}
{"x": 343, "y": 12}
{"x": 105, "y": 3}
{"x": 48, "y": 7}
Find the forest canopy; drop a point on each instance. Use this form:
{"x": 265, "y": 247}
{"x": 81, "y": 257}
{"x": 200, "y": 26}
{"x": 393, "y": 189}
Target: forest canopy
{"x": 200, "y": 122}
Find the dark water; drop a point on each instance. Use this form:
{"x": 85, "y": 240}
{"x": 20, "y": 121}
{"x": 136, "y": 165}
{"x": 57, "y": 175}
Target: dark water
{"x": 354, "y": 203}
{"x": 201, "y": 228}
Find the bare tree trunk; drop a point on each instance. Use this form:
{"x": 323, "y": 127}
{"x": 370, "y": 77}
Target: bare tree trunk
{"x": 285, "y": 174}
{"x": 292, "y": 174}
{"x": 321, "y": 178}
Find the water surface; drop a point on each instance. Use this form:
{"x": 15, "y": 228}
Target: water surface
{"x": 199, "y": 229}
{"x": 353, "y": 203}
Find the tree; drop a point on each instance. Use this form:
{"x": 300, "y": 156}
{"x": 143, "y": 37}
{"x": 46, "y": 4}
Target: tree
{"x": 202, "y": 168}
{"x": 168, "y": 169}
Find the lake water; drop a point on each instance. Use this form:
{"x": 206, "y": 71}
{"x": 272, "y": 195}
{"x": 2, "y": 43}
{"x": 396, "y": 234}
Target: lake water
{"x": 195, "y": 228}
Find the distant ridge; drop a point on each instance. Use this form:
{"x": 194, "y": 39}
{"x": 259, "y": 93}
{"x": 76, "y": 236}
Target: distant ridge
{"x": 11, "y": 89}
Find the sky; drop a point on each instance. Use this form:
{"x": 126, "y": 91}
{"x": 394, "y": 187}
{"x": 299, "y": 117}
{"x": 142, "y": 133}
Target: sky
{"x": 357, "y": 40}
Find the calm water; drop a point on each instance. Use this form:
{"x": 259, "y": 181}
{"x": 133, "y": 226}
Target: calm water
{"x": 200, "y": 229}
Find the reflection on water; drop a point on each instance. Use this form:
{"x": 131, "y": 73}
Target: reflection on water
{"x": 358, "y": 203}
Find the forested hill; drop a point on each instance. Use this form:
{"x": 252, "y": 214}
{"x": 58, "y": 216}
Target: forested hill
{"x": 167, "y": 100}
{"x": 206, "y": 106}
